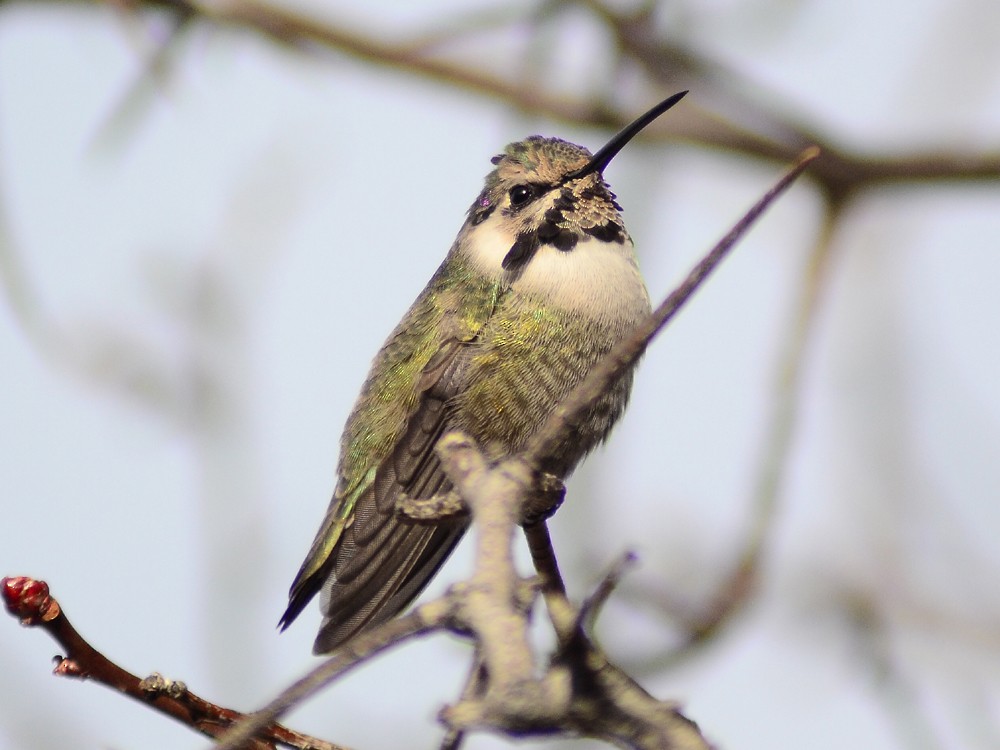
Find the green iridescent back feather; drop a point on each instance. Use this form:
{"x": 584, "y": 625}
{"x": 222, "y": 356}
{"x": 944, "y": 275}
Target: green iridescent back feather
{"x": 454, "y": 306}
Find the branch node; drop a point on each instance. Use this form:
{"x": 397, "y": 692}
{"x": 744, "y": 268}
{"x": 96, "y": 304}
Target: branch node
{"x": 157, "y": 684}
{"x": 69, "y": 668}
{"x": 440, "y": 507}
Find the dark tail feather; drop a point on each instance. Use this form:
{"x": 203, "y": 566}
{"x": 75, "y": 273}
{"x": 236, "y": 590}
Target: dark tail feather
{"x": 394, "y": 571}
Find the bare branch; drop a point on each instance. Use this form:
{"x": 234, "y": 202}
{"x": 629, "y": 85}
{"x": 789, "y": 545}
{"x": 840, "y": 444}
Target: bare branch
{"x": 839, "y": 172}
{"x": 29, "y": 600}
{"x": 738, "y": 586}
{"x": 591, "y": 608}
{"x": 433, "y": 615}
{"x": 580, "y": 691}
{"x": 513, "y": 695}
{"x": 473, "y": 689}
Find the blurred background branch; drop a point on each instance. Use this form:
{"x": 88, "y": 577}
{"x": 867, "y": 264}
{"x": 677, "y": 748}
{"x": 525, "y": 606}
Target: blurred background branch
{"x": 664, "y": 63}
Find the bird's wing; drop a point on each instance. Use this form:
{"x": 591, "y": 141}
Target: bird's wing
{"x": 383, "y": 559}
{"x": 368, "y": 561}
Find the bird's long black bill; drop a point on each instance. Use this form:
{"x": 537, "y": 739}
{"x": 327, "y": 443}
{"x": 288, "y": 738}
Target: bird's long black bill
{"x": 603, "y": 157}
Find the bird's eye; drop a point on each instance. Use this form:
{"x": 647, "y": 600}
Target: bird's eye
{"x": 520, "y": 194}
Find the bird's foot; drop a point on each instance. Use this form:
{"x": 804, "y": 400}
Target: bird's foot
{"x": 547, "y": 495}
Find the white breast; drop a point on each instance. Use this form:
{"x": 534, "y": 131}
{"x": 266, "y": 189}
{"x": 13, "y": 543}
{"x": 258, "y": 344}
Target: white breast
{"x": 595, "y": 278}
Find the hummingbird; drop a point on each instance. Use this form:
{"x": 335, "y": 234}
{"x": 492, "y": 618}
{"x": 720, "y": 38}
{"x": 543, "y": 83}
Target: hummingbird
{"x": 541, "y": 282}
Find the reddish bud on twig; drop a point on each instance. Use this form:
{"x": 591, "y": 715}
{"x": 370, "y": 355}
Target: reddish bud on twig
{"x": 29, "y": 600}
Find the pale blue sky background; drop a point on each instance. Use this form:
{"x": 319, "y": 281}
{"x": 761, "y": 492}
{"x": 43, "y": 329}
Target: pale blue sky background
{"x": 204, "y": 298}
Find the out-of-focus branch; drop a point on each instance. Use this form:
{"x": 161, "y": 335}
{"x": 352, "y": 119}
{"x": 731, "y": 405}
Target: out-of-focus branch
{"x": 29, "y": 600}
{"x": 22, "y": 298}
{"x": 434, "y": 615}
{"x": 898, "y": 694}
{"x": 839, "y": 172}
{"x": 738, "y": 587}
{"x": 475, "y": 684}
{"x": 153, "y": 77}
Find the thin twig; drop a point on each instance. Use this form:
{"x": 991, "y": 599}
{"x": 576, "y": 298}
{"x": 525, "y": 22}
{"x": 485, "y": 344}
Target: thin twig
{"x": 355, "y": 652}
{"x": 738, "y": 586}
{"x": 840, "y": 172}
{"x": 475, "y": 686}
{"x": 543, "y": 557}
{"x": 592, "y": 605}
{"x": 29, "y": 600}
{"x": 152, "y": 78}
